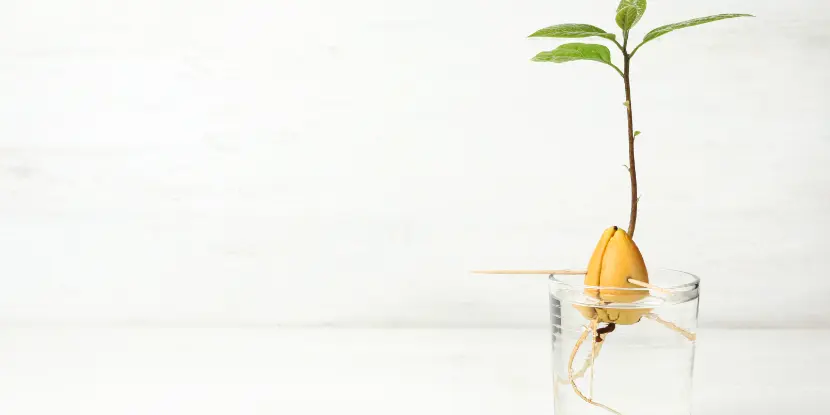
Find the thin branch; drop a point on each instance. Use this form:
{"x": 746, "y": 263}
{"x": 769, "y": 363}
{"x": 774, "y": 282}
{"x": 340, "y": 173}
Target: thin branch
{"x": 622, "y": 49}
{"x": 617, "y": 69}
{"x": 636, "y": 49}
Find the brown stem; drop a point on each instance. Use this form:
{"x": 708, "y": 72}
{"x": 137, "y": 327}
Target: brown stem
{"x": 632, "y": 168}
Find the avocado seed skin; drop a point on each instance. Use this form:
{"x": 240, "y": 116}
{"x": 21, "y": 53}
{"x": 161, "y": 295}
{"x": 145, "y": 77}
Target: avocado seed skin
{"x": 615, "y": 260}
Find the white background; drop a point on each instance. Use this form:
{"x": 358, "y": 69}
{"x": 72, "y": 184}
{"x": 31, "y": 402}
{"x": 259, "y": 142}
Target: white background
{"x": 337, "y": 163}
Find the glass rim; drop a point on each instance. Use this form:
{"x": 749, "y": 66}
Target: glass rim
{"x": 693, "y": 284}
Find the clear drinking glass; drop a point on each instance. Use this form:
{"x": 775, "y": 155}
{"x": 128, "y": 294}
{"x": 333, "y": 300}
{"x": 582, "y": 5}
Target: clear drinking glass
{"x": 644, "y": 366}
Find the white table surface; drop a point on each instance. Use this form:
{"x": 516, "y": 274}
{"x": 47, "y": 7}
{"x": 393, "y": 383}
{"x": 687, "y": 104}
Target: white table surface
{"x": 112, "y": 371}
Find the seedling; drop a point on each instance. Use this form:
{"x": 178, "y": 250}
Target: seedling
{"x": 616, "y": 262}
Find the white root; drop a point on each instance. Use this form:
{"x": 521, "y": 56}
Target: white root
{"x": 687, "y": 334}
{"x": 593, "y": 356}
{"x": 589, "y": 361}
{"x": 585, "y": 332}
{"x": 596, "y": 347}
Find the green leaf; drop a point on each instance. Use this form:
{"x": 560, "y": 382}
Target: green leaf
{"x": 571, "y": 30}
{"x": 629, "y": 13}
{"x": 578, "y": 52}
{"x": 575, "y": 52}
{"x": 636, "y": 133}
{"x": 662, "y": 30}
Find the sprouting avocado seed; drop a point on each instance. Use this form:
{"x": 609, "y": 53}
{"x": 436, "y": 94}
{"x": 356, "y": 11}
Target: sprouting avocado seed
{"x": 616, "y": 259}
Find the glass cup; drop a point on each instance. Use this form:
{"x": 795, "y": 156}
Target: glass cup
{"x": 633, "y": 357}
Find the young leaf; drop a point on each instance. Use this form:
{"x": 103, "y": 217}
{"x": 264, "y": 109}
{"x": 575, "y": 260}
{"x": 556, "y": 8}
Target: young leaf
{"x": 570, "y": 30}
{"x": 662, "y": 30}
{"x": 576, "y": 52}
{"x": 629, "y": 13}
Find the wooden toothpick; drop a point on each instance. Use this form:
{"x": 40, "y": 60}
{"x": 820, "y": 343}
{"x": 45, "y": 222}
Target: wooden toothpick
{"x": 532, "y": 272}
{"x": 564, "y": 272}
{"x": 572, "y": 376}
{"x": 649, "y": 286}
